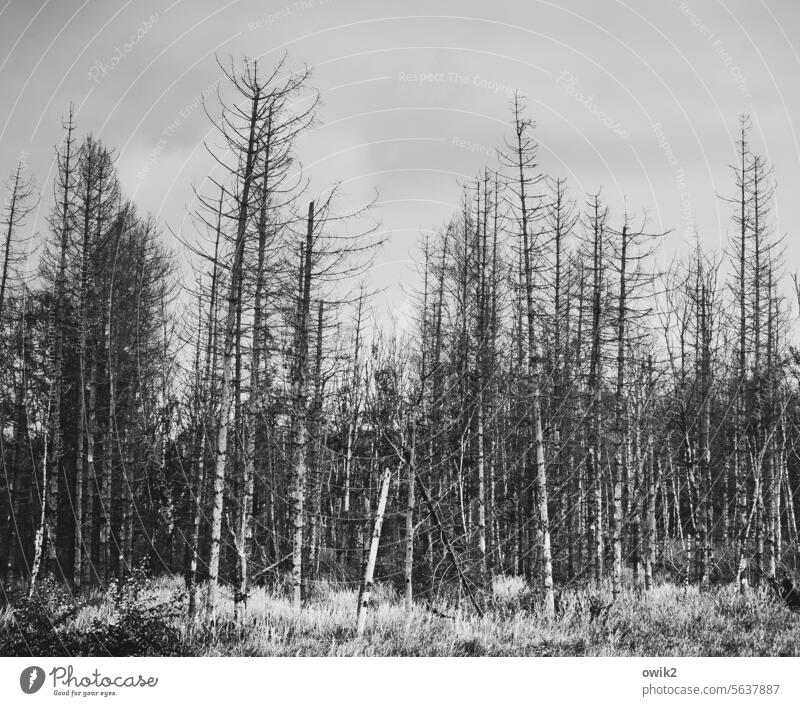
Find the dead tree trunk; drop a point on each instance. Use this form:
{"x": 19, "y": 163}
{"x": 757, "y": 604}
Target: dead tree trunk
{"x": 202, "y": 431}
{"x": 66, "y": 179}
{"x": 299, "y": 394}
{"x": 228, "y": 351}
{"x": 411, "y": 469}
{"x": 366, "y": 589}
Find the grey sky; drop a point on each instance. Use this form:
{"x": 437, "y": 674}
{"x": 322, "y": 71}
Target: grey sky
{"x": 609, "y": 85}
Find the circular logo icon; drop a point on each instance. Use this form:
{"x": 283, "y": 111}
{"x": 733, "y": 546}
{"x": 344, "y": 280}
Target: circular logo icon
{"x": 31, "y": 679}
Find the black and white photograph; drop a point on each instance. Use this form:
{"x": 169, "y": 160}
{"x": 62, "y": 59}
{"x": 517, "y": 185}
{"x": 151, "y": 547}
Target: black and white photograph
{"x": 347, "y": 329}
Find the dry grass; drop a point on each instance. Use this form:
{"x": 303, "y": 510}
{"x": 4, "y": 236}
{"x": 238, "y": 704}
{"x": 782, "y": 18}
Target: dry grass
{"x": 666, "y": 621}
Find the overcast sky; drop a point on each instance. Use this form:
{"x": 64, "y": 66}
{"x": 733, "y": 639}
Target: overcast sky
{"x": 639, "y": 98}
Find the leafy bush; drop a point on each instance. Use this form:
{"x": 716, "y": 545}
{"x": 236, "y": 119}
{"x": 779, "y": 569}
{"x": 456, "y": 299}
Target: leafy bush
{"x": 139, "y": 626}
{"x": 134, "y": 625}
{"x": 35, "y": 625}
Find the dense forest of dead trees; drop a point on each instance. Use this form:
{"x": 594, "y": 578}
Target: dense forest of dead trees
{"x": 560, "y": 409}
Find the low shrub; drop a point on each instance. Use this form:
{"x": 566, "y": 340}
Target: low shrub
{"x": 135, "y": 624}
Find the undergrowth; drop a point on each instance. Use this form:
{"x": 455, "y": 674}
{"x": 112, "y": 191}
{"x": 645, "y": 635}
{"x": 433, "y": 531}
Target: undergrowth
{"x": 145, "y": 616}
{"x": 131, "y": 619}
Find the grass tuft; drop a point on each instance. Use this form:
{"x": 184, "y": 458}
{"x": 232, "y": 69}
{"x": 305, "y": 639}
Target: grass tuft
{"x": 148, "y": 617}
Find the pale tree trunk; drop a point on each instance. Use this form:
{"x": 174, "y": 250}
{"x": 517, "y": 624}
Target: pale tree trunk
{"x": 245, "y": 528}
{"x": 692, "y": 496}
{"x": 619, "y": 471}
{"x": 740, "y": 499}
{"x": 793, "y": 535}
{"x": 615, "y": 520}
{"x": 299, "y": 393}
{"x": 705, "y": 446}
{"x": 772, "y": 484}
{"x": 409, "y": 558}
{"x": 652, "y": 480}
{"x": 544, "y": 521}
{"x": 593, "y": 469}
{"x": 366, "y": 589}
{"x": 40, "y": 530}
{"x": 481, "y": 379}
{"x": 206, "y": 383}
{"x": 788, "y": 497}
{"x": 536, "y": 415}
{"x": 231, "y": 335}
{"x": 666, "y": 493}
{"x": 482, "y": 559}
